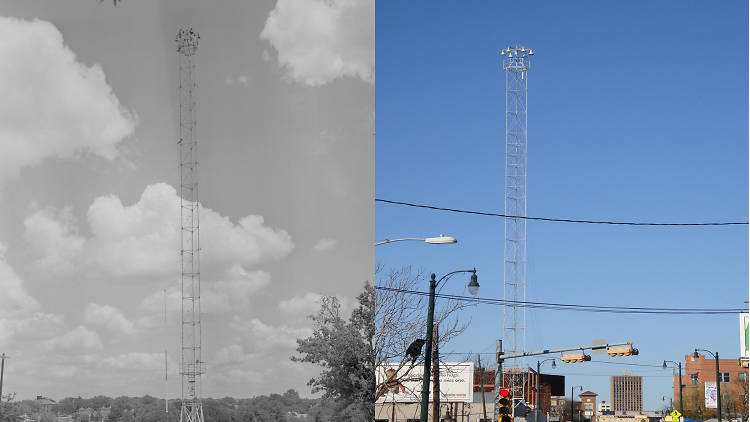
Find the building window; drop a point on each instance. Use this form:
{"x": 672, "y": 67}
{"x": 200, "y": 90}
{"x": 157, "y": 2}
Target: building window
{"x": 694, "y": 379}
{"x": 724, "y": 376}
{"x": 742, "y": 376}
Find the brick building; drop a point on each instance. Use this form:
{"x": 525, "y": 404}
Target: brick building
{"x": 695, "y": 372}
{"x": 588, "y": 403}
{"x": 626, "y": 393}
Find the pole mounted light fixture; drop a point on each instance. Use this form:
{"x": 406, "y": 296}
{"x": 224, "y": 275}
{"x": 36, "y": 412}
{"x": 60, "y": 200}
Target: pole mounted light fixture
{"x": 473, "y": 289}
{"x": 718, "y": 379}
{"x": 438, "y": 240}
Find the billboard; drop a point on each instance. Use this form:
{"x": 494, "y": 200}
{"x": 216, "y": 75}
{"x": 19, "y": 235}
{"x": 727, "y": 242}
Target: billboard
{"x": 404, "y": 384}
{"x": 710, "y": 387}
{"x": 745, "y": 335}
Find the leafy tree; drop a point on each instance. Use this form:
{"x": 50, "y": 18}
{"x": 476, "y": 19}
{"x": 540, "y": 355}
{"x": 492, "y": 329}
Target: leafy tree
{"x": 344, "y": 349}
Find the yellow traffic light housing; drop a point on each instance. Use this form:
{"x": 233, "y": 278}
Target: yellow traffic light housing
{"x": 622, "y": 351}
{"x": 575, "y": 357}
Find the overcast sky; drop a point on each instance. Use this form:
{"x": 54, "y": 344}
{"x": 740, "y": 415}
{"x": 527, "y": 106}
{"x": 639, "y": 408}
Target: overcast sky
{"x": 88, "y": 215}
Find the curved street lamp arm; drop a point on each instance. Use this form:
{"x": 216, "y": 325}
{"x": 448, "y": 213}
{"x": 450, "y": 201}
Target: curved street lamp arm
{"x": 707, "y": 351}
{"x": 432, "y": 276}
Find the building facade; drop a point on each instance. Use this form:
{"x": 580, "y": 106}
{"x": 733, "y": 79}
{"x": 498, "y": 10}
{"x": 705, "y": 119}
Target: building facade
{"x": 626, "y": 393}
{"x": 588, "y": 403}
{"x": 696, "y": 371}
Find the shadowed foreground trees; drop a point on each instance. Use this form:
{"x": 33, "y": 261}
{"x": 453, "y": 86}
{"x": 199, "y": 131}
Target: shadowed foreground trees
{"x": 344, "y": 349}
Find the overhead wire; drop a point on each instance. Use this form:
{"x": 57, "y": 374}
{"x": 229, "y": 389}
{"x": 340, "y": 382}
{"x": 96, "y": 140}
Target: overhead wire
{"x": 573, "y": 307}
{"x": 557, "y": 220}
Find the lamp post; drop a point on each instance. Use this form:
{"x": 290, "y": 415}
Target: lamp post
{"x": 473, "y": 289}
{"x": 718, "y": 380}
{"x": 538, "y": 385}
{"x": 679, "y": 369}
{"x": 571, "y": 400}
{"x": 439, "y": 240}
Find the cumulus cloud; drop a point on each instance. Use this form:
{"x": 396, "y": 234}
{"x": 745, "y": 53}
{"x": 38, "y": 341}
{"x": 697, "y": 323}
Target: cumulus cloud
{"x": 325, "y": 244}
{"x": 257, "y": 336}
{"x": 232, "y": 292}
{"x": 52, "y": 235}
{"x": 51, "y": 105}
{"x": 307, "y": 304}
{"x": 147, "y": 232}
{"x": 108, "y": 317}
{"x": 14, "y": 300}
{"x": 317, "y": 41}
{"x": 77, "y": 339}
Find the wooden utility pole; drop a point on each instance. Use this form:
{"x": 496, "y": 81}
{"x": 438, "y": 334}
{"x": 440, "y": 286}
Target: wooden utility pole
{"x": 481, "y": 382}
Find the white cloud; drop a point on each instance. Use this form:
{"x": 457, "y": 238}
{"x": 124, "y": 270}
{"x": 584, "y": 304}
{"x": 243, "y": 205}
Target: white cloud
{"x": 147, "y": 233}
{"x": 77, "y": 339}
{"x": 14, "y": 300}
{"x": 51, "y": 105}
{"x": 317, "y": 41}
{"x": 108, "y": 317}
{"x": 239, "y": 80}
{"x": 234, "y": 291}
{"x": 305, "y": 305}
{"x": 257, "y": 336}
{"x": 325, "y": 244}
{"x": 52, "y": 235}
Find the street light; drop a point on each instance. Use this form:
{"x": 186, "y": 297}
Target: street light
{"x": 679, "y": 368}
{"x": 473, "y": 289}
{"x": 571, "y": 400}
{"x": 439, "y": 240}
{"x": 538, "y": 385}
{"x": 718, "y": 380}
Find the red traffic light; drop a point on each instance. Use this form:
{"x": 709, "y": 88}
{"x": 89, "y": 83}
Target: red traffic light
{"x": 504, "y": 392}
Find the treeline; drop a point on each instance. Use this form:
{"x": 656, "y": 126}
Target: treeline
{"x": 272, "y": 408}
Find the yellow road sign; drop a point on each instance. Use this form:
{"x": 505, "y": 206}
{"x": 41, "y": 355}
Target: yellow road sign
{"x": 675, "y": 414}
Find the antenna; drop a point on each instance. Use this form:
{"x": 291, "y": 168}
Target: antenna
{"x": 191, "y": 363}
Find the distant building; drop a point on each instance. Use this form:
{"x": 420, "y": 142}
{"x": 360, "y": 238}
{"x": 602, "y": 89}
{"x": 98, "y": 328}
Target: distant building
{"x": 603, "y": 407}
{"x": 45, "y": 403}
{"x": 626, "y": 393}
{"x": 588, "y": 403}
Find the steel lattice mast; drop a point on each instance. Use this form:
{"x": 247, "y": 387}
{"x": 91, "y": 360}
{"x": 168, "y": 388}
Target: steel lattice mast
{"x": 192, "y": 366}
{"x": 516, "y": 63}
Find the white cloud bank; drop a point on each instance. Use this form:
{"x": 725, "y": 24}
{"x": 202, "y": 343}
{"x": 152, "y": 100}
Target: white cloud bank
{"x": 147, "y": 232}
{"x": 50, "y": 104}
{"x": 108, "y": 317}
{"x": 317, "y": 41}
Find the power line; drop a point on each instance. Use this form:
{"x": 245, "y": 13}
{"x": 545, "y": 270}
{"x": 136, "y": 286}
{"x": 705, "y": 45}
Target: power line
{"x": 557, "y": 220}
{"x": 574, "y": 307}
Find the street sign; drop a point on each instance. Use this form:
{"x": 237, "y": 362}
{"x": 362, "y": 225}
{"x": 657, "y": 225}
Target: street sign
{"x": 675, "y": 415}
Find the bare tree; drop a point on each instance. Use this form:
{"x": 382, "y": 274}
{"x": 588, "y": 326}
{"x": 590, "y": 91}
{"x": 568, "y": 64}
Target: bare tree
{"x": 401, "y": 318}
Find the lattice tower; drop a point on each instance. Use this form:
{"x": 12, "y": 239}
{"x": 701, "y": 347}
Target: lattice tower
{"x": 516, "y": 62}
{"x": 192, "y": 365}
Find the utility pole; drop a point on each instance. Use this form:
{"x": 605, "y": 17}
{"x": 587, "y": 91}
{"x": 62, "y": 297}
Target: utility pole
{"x": 481, "y": 382}
{"x": 435, "y": 376}
{"x": 2, "y": 373}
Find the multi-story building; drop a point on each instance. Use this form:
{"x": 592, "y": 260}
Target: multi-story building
{"x": 603, "y": 407}
{"x": 696, "y": 371}
{"x": 588, "y": 403}
{"x": 627, "y": 393}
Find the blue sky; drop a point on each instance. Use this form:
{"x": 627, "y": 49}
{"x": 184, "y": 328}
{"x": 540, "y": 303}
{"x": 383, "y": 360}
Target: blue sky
{"x": 636, "y": 112}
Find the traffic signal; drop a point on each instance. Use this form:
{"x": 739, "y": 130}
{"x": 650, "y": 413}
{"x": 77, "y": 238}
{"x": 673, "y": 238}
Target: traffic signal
{"x": 575, "y": 357}
{"x": 506, "y": 405}
{"x": 622, "y": 351}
